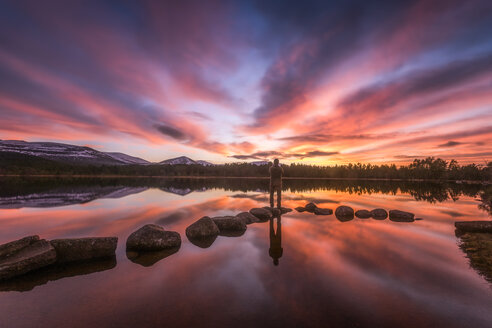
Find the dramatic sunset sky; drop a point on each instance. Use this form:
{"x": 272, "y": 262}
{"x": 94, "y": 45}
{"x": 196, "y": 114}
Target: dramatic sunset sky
{"x": 313, "y": 81}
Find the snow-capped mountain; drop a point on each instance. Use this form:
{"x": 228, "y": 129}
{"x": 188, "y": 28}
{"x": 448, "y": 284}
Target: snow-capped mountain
{"x": 127, "y": 158}
{"x": 65, "y": 153}
{"x": 184, "y": 160}
{"x": 258, "y": 163}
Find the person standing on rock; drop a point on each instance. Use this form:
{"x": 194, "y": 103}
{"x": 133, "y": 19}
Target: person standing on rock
{"x": 276, "y": 172}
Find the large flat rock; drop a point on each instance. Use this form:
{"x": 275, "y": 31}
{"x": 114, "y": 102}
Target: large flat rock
{"x": 13, "y": 247}
{"x": 35, "y": 255}
{"x": 83, "y": 249}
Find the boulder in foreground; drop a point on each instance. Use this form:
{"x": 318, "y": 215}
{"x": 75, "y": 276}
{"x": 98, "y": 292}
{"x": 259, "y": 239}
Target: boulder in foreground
{"x": 474, "y": 226}
{"x": 363, "y": 214}
{"x": 323, "y": 211}
{"x": 152, "y": 237}
{"x": 261, "y": 213}
{"x": 247, "y": 217}
{"x": 344, "y": 213}
{"x": 401, "y": 216}
{"x": 13, "y": 247}
{"x": 310, "y": 207}
{"x": 84, "y": 249}
{"x": 300, "y": 209}
{"x": 35, "y": 255}
{"x": 229, "y": 224}
{"x": 379, "y": 214}
{"x": 202, "y": 228}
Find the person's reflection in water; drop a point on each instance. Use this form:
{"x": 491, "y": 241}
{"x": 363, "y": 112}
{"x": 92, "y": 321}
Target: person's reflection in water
{"x": 276, "y": 249}
{"x": 276, "y": 172}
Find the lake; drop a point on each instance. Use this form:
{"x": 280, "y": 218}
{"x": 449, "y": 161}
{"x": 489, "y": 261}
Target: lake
{"x": 359, "y": 273}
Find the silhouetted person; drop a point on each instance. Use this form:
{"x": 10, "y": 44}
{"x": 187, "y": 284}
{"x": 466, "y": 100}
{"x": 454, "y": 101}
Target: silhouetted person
{"x": 276, "y": 173}
{"x": 275, "y": 250}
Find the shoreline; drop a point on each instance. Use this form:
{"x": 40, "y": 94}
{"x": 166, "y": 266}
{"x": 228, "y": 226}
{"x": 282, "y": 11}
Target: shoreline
{"x": 231, "y": 177}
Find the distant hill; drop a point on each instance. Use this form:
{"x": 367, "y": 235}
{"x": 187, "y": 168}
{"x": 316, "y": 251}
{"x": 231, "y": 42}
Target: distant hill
{"x": 65, "y": 153}
{"x": 183, "y": 160}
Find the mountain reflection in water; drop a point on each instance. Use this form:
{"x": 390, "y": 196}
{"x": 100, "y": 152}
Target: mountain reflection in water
{"x": 362, "y": 272}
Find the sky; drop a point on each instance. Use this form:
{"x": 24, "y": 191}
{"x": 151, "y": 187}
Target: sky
{"x": 318, "y": 82}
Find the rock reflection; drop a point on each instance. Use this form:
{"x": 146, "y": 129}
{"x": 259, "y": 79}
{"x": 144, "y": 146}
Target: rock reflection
{"x": 204, "y": 242}
{"x": 148, "y": 259}
{"x": 40, "y": 277}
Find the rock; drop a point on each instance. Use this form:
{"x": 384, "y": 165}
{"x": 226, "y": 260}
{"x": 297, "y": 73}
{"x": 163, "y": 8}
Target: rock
{"x": 148, "y": 259}
{"x": 275, "y": 211}
{"x": 261, "y": 213}
{"x": 203, "y": 242}
{"x": 310, "y": 207}
{"x": 379, "y": 214}
{"x": 247, "y": 217}
{"x": 344, "y": 213}
{"x": 474, "y": 226}
{"x": 230, "y": 226}
{"x": 203, "y": 228}
{"x": 284, "y": 210}
{"x": 300, "y": 209}
{"x": 323, "y": 211}
{"x": 152, "y": 237}
{"x": 35, "y": 255}
{"x": 84, "y": 249}
{"x": 53, "y": 272}
{"x": 363, "y": 214}
{"x": 401, "y": 216}
{"x": 13, "y": 247}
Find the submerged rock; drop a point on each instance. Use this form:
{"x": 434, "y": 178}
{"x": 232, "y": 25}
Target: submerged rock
{"x": 247, "y": 218}
{"x": 34, "y": 255}
{"x": 474, "y": 226}
{"x": 363, "y": 214}
{"x": 323, "y": 211}
{"x": 202, "y": 228}
{"x": 83, "y": 249}
{"x": 147, "y": 259}
{"x": 300, "y": 209}
{"x": 310, "y": 207}
{"x": 401, "y": 216}
{"x": 477, "y": 247}
{"x": 152, "y": 237}
{"x": 379, "y": 214}
{"x": 344, "y": 213}
{"x": 261, "y": 213}
{"x": 284, "y": 210}
{"x": 230, "y": 226}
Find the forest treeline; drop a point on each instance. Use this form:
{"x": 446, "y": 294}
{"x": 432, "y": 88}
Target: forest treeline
{"x": 429, "y": 169}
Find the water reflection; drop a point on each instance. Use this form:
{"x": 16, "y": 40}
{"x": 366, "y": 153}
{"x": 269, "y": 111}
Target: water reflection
{"x": 276, "y": 249}
{"x": 149, "y": 258}
{"x": 42, "y": 276}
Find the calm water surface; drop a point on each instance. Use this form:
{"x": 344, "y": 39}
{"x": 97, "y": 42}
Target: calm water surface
{"x": 360, "y": 273}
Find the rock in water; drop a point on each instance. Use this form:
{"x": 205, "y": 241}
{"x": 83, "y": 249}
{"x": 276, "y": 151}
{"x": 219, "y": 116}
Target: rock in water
{"x": 344, "y": 213}
{"x": 401, "y": 216}
{"x": 147, "y": 259}
{"x": 229, "y": 224}
{"x": 379, "y": 214}
{"x": 323, "y": 211}
{"x": 152, "y": 237}
{"x": 247, "y": 217}
{"x": 84, "y": 249}
{"x": 300, "y": 209}
{"x": 35, "y": 255}
{"x": 310, "y": 207}
{"x": 203, "y": 228}
{"x": 284, "y": 210}
{"x": 261, "y": 213}
{"x": 275, "y": 211}
{"x": 474, "y": 226}
{"x": 363, "y": 214}
{"x": 13, "y": 247}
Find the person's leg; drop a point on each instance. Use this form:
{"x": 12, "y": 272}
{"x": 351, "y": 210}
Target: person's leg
{"x": 271, "y": 195}
{"x": 279, "y": 196}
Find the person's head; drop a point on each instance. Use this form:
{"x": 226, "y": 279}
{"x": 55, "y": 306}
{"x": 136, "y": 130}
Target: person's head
{"x": 275, "y": 162}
